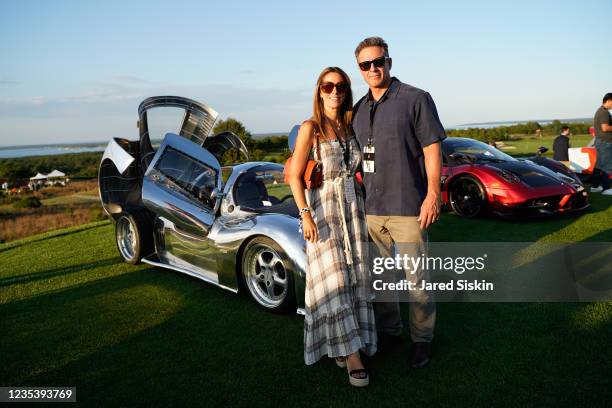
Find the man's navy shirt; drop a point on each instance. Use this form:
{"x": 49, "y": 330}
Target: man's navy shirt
{"x": 404, "y": 121}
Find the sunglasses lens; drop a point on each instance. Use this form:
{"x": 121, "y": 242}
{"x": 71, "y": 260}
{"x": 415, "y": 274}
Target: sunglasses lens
{"x": 379, "y": 62}
{"x": 365, "y": 65}
{"x": 341, "y": 88}
{"x": 327, "y": 87}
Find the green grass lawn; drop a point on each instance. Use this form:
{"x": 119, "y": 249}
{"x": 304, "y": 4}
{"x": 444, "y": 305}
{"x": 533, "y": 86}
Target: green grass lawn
{"x": 527, "y": 146}
{"x": 73, "y": 314}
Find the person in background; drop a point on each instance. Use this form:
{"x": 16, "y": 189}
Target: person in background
{"x": 600, "y": 182}
{"x": 561, "y": 145}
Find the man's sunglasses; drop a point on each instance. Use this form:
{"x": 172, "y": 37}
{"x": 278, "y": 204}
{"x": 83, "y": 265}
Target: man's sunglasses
{"x": 328, "y": 87}
{"x": 378, "y": 63}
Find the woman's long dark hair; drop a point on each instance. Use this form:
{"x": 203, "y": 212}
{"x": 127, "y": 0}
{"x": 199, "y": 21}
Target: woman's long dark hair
{"x": 346, "y": 110}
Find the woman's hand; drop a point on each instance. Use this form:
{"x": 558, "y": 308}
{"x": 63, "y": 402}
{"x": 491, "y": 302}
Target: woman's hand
{"x": 310, "y": 228}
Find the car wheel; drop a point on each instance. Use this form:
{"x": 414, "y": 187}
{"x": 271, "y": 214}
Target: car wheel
{"x": 133, "y": 237}
{"x": 267, "y": 275}
{"x": 467, "y": 197}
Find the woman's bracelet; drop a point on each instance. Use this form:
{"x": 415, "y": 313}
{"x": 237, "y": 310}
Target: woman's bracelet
{"x": 302, "y": 211}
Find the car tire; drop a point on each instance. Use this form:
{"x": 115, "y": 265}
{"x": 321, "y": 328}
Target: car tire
{"x": 134, "y": 237}
{"x": 267, "y": 274}
{"x": 467, "y": 197}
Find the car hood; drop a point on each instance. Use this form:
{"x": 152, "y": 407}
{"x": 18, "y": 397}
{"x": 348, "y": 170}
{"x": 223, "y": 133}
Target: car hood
{"x": 533, "y": 174}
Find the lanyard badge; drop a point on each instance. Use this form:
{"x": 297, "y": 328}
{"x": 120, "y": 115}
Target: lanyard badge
{"x": 368, "y": 159}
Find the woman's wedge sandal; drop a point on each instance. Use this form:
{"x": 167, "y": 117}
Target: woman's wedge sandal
{"x": 341, "y": 362}
{"x": 357, "y": 379}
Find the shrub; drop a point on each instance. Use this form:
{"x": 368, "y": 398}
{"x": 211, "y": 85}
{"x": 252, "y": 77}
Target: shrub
{"x": 29, "y": 202}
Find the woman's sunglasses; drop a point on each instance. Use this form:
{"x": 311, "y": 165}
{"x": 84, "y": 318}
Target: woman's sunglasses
{"x": 328, "y": 87}
{"x": 378, "y": 63}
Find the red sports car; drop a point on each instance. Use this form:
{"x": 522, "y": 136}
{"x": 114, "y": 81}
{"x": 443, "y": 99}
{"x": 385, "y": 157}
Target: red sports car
{"x": 477, "y": 178}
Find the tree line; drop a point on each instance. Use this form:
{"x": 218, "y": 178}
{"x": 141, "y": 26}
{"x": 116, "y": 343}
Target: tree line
{"x": 500, "y": 133}
{"x": 272, "y": 148}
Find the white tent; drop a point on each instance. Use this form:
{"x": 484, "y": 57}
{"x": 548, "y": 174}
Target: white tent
{"x": 39, "y": 176}
{"x": 56, "y": 173}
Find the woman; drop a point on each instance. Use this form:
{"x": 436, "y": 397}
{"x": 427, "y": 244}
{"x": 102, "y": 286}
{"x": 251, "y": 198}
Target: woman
{"x": 339, "y": 318}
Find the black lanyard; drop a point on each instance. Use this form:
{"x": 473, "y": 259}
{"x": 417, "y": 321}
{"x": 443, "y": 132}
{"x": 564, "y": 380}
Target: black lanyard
{"x": 372, "y": 105}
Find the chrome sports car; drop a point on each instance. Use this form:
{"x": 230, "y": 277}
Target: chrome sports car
{"x": 175, "y": 207}
{"x": 477, "y": 177}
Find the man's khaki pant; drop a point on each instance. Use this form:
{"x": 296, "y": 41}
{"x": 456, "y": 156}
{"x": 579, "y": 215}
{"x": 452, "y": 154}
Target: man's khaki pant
{"x": 389, "y": 233}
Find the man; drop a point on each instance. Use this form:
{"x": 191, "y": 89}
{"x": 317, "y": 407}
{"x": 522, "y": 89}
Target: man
{"x": 399, "y": 130}
{"x": 600, "y": 182}
{"x": 561, "y": 144}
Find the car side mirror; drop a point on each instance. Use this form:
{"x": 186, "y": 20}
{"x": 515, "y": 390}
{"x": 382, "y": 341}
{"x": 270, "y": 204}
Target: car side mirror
{"x": 458, "y": 157}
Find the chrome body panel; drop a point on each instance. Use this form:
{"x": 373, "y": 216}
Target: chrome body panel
{"x": 198, "y": 119}
{"x": 191, "y": 237}
{"x": 199, "y": 232}
{"x": 221, "y": 142}
{"x": 152, "y": 260}
{"x": 118, "y": 156}
{"x": 162, "y": 196}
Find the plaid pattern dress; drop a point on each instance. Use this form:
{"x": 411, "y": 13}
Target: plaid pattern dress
{"x": 339, "y": 315}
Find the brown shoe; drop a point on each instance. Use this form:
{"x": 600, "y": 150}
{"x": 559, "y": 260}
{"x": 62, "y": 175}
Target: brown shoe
{"x": 419, "y": 357}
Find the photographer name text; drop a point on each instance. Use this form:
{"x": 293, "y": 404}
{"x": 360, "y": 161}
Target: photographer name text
{"x": 459, "y": 285}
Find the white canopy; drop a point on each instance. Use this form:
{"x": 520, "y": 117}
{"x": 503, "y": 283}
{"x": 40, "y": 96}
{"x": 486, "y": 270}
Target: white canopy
{"x": 39, "y": 176}
{"x": 56, "y": 173}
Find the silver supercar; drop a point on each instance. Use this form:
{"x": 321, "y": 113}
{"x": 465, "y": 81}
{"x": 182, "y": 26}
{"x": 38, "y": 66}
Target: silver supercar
{"x": 175, "y": 207}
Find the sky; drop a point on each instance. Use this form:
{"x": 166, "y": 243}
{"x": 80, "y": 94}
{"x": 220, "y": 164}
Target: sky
{"x": 75, "y": 71}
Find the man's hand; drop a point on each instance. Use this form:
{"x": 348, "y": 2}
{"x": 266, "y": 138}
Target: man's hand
{"x": 430, "y": 210}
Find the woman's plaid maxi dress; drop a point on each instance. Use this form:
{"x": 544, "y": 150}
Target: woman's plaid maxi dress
{"x": 339, "y": 315}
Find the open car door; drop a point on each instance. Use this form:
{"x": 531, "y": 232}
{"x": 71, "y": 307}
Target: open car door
{"x": 182, "y": 185}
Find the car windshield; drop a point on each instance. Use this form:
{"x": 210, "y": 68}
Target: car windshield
{"x": 475, "y": 150}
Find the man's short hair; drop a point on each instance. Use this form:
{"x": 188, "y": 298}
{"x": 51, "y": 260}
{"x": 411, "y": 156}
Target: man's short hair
{"x": 564, "y": 128}
{"x": 372, "y": 42}
{"x": 607, "y": 97}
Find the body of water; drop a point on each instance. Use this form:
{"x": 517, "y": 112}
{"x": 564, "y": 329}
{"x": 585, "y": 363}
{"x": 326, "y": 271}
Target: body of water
{"x": 47, "y": 150}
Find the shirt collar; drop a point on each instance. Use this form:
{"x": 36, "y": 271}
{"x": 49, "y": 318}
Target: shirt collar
{"x": 392, "y": 86}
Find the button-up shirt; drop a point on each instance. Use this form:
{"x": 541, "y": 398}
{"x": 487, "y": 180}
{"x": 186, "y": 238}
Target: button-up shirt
{"x": 399, "y": 125}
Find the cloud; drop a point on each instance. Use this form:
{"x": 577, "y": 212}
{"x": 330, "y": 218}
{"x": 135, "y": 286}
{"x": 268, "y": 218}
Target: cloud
{"x": 109, "y": 109}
